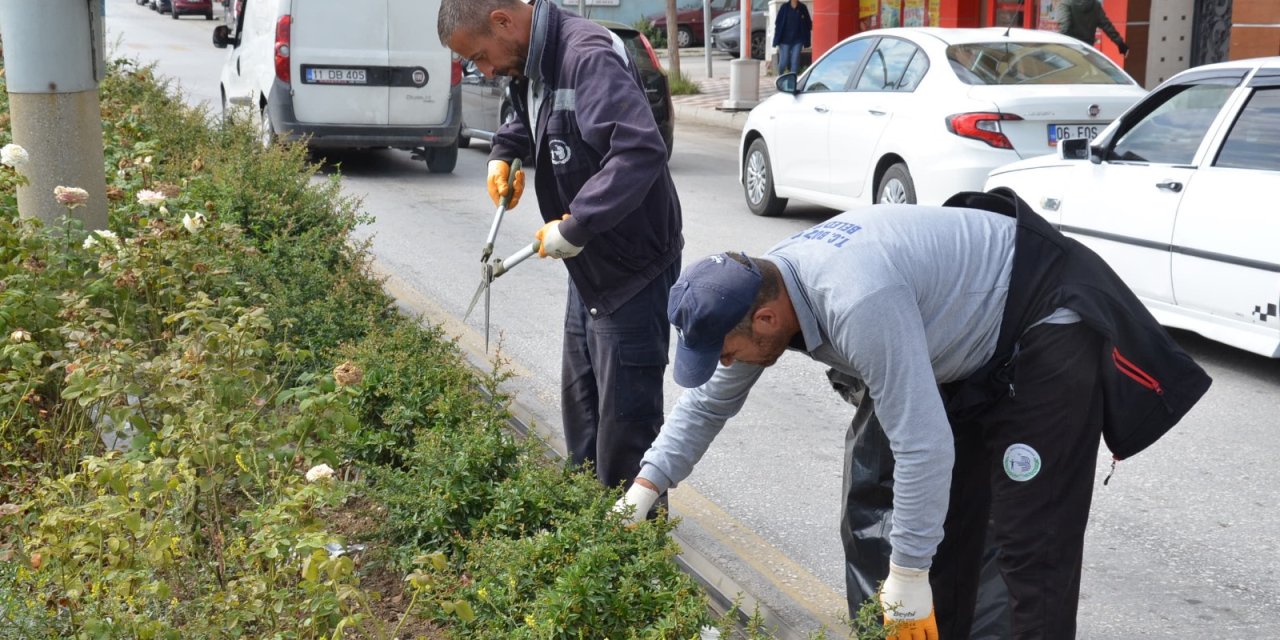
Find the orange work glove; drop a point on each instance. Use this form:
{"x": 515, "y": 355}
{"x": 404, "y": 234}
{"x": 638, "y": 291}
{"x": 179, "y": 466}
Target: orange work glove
{"x": 553, "y": 244}
{"x": 908, "y": 604}
{"x": 499, "y": 171}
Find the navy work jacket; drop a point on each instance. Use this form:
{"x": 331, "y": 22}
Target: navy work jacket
{"x": 599, "y": 157}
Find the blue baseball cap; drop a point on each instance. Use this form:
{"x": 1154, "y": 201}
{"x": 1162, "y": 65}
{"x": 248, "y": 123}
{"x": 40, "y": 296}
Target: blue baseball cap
{"x": 709, "y": 300}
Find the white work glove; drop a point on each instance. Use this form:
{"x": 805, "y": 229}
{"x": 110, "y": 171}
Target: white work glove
{"x": 636, "y": 503}
{"x": 908, "y": 604}
{"x": 553, "y": 244}
{"x": 499, "y": 170}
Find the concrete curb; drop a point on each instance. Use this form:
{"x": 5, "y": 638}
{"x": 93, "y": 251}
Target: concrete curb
{"x": 711, "y": 116}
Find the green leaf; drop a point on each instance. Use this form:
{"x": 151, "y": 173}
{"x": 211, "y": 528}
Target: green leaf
{"x": 464, "y": 611}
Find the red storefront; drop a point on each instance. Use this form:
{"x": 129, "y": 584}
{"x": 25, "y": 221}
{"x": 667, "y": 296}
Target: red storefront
{"x": 835, "y": 20}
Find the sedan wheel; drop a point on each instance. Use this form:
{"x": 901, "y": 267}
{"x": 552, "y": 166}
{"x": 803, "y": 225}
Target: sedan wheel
{"x": 758, "y": 182}
{"x": 896, "y": 186}
{"x": 684, "y": 37}
{"x": 757, "y": 45}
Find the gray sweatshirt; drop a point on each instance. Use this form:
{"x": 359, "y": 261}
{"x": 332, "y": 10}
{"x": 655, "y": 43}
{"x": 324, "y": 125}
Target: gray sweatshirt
{"x": 904, "y": 298}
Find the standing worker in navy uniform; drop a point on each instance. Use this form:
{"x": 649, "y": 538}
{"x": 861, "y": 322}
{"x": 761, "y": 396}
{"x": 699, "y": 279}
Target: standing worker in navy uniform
{"x": 995, "y": 352}
{"x": 792, "y": 30}
{"x": 610, "y": 207}
{"x": 1080, "y": 19}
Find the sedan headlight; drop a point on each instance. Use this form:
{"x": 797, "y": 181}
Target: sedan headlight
{"x": 728, "y": 23}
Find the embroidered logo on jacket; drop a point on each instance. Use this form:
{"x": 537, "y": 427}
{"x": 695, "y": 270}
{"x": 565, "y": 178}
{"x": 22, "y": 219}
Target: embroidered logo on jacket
{"x": 1021, "y": 462}
{"x": 559, "y": 152}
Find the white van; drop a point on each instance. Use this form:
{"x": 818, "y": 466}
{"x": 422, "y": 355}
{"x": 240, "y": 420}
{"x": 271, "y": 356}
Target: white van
{"x": 345, "y": 74}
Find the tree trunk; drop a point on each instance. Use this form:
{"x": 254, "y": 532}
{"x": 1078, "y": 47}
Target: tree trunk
{"x": 673, "y": 39}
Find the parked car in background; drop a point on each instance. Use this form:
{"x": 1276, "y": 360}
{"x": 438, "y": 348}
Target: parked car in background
{"x": 179, "y": 8}
{"x": 916, "y": 114}
{"x": 690, "y": 28}
{"x": 726, "y": 30}
{"x": 486, "y": 105}
{"x": 319, "y": 71}
{"x": 1178, "y": 196}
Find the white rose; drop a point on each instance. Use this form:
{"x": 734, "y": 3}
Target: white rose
{"x": 14, "y": 156}
{"x": 105, "y": 234}
{"x": 319, "y": 472}
{"x": 193, "y": 224}
{"x": 70, "y": 197}
{"x": 20, "y": 335}
{"x": 149, "y": 198}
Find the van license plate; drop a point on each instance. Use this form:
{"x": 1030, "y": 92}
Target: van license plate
{"x": 322, "y": 75}
{"x": 1068, "y": 131}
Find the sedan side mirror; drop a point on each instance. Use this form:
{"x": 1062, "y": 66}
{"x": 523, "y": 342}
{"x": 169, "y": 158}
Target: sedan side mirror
{"x": 222, "y": 37}
{"x": 1073, "y": 149}
{"x": 1096, "y": 153}
{"x": 786, "y": 83}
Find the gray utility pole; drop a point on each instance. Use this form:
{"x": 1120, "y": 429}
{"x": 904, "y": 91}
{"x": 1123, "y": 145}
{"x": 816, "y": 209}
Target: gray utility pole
{"x": 54, "y": 57}
{"x": 744, "y": 73}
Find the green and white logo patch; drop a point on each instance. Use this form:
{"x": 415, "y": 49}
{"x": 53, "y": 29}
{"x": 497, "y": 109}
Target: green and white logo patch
{"x": 1021, "y": 462}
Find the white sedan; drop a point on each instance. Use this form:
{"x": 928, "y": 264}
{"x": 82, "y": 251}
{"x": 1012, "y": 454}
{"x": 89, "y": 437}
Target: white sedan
{"x": 1178, "y": 196}
{"x": 917, "y": 114}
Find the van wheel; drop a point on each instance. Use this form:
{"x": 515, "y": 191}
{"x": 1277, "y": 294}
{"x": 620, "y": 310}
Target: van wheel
{"x": 758, "y": 182}
{"x": 442, "y": 159}
{"x": 267, "y": 132}
{"x": 896, "y": 186}
{"x": 463, "y": 141}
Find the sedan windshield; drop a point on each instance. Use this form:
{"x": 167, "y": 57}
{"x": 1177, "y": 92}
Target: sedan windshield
{"x": 1002, "y": 63}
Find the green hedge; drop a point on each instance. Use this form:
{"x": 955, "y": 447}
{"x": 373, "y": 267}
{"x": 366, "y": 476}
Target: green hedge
{"x": 217, "y": 349}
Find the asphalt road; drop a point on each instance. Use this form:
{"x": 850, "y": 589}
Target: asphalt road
{"x": 1182, "y": 542}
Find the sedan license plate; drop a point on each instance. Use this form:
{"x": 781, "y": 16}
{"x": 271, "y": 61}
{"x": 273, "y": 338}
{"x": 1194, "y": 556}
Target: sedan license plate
{"x": 327, "y": 75}
{"x": 1068, "y": 131}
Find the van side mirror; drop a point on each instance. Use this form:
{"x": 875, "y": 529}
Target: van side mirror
{"x": 222, "y": 37}
{"x": 786, "y": 83}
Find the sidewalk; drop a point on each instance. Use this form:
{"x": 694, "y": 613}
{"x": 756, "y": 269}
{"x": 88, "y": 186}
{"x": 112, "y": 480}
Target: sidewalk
{"x": 704, "y": 108}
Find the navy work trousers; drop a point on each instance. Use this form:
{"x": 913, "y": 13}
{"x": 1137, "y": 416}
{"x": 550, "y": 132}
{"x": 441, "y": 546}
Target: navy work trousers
{"x": 611, "y": 379}
{"x": 1025, "y": 467}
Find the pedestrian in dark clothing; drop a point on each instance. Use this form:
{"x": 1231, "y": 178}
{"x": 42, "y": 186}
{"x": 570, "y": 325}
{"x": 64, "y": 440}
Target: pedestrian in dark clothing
{"x": 792, "y": 30}
{"x": 610, "y": 207}
{"x": 1080, "y": 19}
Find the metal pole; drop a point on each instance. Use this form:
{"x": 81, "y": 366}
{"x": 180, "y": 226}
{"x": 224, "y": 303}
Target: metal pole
{"x": 706, "y": 34}
{"x": 54, "y": 57}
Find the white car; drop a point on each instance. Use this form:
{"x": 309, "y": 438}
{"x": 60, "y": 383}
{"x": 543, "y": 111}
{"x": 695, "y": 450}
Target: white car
{"x": 1178, "y": 196}
{"x": 915, "y": 115}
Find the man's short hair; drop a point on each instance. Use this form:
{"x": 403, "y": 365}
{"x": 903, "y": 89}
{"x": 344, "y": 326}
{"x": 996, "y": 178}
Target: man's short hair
{"x": 770, "y": 287}
{"x": 471, "y": 15}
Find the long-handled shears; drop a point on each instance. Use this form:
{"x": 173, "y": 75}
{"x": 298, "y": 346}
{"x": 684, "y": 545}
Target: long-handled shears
{"x": 489, "y": 271}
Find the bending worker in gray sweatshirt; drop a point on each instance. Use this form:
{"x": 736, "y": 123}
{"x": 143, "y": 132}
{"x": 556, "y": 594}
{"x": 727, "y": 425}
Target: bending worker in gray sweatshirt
{"x": 992, "y": 371}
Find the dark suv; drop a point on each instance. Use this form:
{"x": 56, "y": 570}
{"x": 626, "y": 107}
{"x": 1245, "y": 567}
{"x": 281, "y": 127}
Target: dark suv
{"x": 486, "y": 106}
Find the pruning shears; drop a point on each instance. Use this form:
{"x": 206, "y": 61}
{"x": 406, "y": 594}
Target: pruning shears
{"x": 490, "y": 270}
